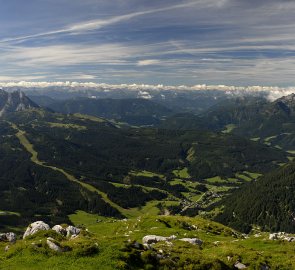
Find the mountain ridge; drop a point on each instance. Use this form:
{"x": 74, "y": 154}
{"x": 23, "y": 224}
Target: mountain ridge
{"x": 14, "y": 101}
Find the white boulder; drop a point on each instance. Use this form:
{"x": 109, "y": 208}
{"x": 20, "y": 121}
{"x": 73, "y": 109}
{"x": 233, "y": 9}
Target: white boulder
{"x": 193, "y": 241}
{"x": 36, "y": 227}
{"x": 239, "y": 265}
{"x": 289, "y": 238}
{"x": 273, "y": 236}
{"x": 59, "y": 229}
{"x": 152, "y": 239}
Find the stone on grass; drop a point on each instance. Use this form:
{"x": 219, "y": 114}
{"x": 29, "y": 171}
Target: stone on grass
{"x": 36, "y": 227}
{"x": 193, "y": 241}
{"x": 8, "y": 237}
{"x": 71, "y": 230}
{"x": 239, "y": 265}
{"x": 152, "y": 239}
{"x": 59, "y": 229}
{"x": 52, "y": 245}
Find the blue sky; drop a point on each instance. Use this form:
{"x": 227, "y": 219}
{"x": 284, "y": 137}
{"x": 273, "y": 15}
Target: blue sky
{"x": 236, "y": 42}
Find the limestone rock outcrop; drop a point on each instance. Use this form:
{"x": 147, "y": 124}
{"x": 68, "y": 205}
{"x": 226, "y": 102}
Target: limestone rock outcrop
{"x": 36, "y": 227}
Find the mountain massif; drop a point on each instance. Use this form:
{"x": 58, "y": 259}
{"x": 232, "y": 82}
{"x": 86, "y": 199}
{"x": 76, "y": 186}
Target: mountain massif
{"x": 15, "y": 101}
{"x": 105, "y": 162}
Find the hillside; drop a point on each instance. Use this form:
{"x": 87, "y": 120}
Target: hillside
{"x": 132, "y": 111}
{"x": 271, "y": 200}
{"x": 177, "y": 100}
{"x": 271, "y": 123}
{"x": 175, "y": 171}
{"x": 117, "y": 244}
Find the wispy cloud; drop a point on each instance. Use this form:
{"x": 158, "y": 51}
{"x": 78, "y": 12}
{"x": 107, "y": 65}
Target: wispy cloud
{"x": 148, "y": 62}
{"x": 100, "y": 23}
{"x": 170, "y": 42}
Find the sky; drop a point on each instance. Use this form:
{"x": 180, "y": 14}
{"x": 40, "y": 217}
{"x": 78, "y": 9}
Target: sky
{"x": 170, "y": 42}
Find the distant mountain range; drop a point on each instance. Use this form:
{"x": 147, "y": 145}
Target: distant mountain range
{"x": 178, "y": 101}
{"x": 131, "y": 111}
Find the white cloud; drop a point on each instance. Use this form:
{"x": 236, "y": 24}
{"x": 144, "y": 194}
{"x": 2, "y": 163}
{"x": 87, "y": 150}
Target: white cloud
{"x": 273, "y": 92}
{"x": 148, "y": 62}
{"x": 66, "y": 55}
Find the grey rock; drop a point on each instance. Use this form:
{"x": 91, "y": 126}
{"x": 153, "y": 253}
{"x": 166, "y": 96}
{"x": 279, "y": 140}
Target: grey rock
{"x": 152, "y": 239}
{"x": 59, "y": 229}
{"x": 11, "y": 237}
{"x": 71, "y": 230}
{"x": 193, "y": 241}
{"x": 273, "y": 236}
{"x": 52, "y": 245}
{"x": 239, "y": 265}
{"x": 8, "y": 237}
{"x": 36, "y": 227}
{"x": 3, "y": 237}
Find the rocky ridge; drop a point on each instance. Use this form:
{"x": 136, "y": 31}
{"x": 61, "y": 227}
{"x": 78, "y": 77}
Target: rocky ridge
{"x": 14, "y": 102}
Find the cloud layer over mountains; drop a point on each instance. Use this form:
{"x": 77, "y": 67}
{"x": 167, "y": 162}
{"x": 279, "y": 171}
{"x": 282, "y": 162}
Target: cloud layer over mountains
{"x": 272, "y": 92}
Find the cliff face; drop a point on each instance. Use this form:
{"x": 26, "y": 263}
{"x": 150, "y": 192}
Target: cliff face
{"x": 15, "y": 101}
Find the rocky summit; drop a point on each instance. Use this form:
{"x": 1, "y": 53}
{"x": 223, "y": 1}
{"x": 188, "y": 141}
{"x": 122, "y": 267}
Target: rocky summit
{"x": 14, "y": 102}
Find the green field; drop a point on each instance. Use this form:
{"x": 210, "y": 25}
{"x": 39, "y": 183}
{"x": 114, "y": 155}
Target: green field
{"x": 182, "y": 173}
{"x": 61, "y": 125}
{"x": 229, "y": 128}
{"x": 256, "y": 139}
{"x": 146, "y": 174}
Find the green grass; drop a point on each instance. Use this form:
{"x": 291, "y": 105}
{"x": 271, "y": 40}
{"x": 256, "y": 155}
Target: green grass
{"x": 111, "y": 235}
{"x": 177, "y": 181}
{"x": 270, "y": 138}
{"x": 195, "y": 198}
{"x": 146, "y": 174}
{"x": 182, "y": 173}
{"x": 244, "y": 177}
{"x": 252, "y": 175}
{"x": 256, "y": 139}
{"x": 229, "y": 128}
{"x": 89, "y": 117}
{"x": 60, "y": 125}
{"x": 216, "y": 179}
{"x": 8, "y": 213}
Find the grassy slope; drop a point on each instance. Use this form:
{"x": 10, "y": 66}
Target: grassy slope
{"x": 34, "y": 158}
{"x": 111, "y": 235}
